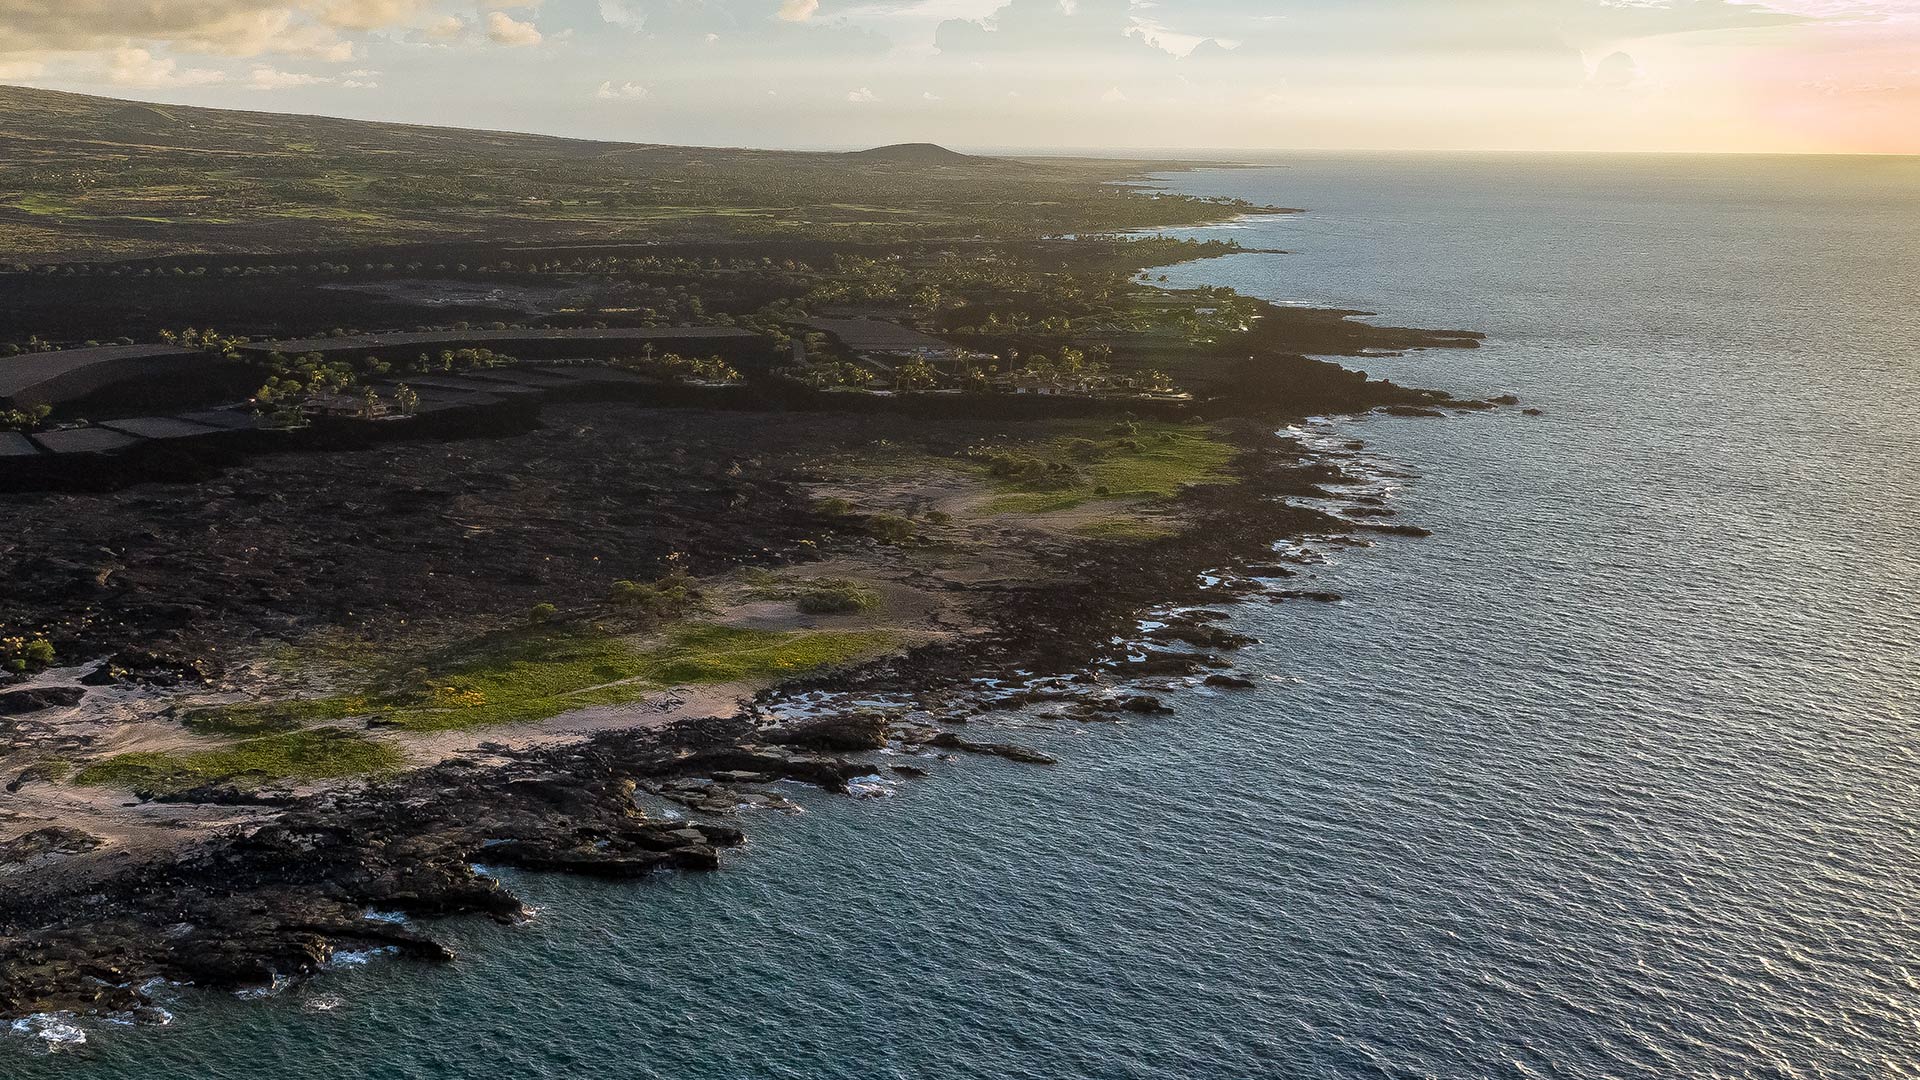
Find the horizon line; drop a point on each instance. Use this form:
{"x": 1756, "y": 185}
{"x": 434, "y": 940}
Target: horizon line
{"x": 1118, "y": 153}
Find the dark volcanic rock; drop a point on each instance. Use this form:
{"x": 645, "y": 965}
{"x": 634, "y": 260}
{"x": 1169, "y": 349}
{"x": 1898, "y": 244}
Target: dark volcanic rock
{"x": 221, "y": 795}
{"x": 240, "y": 908}
{"x": 826, "y": 772}
{"x": 1201, "y": 636}
{"x": 21, "y": 702}
{"x": 153, "y": 668}
{"x": 1161, "y": 662}
{"x": 53, "y": 840}
{"x": 845, "y": 734}
{"x": 1229, "y": 682}
{"x": 275, "y": 902}
{"x": 947, "y": 740}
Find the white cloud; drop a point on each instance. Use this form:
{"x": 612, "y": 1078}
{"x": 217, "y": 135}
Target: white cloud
{"x": 138, "y": 67}
{"x": 266, "y": 78}
{"x": 370, "y": 14}
{"x": 626, "y": 13}
{"x": 862, "y": 96}
{"x": 444, "y": 29}
{"x": 797, "y": 10}
{"x": 504, "y": 29}
{"x": 38, "y": 28}
{"x": 624, "y": 91}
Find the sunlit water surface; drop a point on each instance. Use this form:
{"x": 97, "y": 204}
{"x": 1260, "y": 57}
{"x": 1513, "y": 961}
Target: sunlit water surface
{"x": 1618, "y": 775}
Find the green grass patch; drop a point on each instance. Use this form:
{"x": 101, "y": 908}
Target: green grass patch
{"x": 1139, "y": 461}
{"x": 531, "y": 676}
{"x": 321, "y": 754}
{"x": 819, "y": 596}
{"x": 536, "y": 672}
{"x": 1121, "y": 528}
{"x": 271, "y": 718}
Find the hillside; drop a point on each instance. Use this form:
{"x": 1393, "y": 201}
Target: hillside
{"x": 919, "y": 154}
{"x": 87, "y": 178}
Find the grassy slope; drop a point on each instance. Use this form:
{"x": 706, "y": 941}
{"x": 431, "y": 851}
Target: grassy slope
{"x": 512, "y": 677}
{"x": 85, "y": 177}
{"x": 1138, "y": 462}
{"x": 319, "y": 754}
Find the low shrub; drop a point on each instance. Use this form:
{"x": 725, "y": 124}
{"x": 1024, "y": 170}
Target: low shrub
{"x": 21, "y": 653}
{"x": 833, "y": 597}
{"x": 673, "y": 596}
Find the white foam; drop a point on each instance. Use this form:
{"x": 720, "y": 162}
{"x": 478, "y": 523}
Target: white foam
{"x": 869, "y": 787}
{"x": 359, "y": 957}
{"x": 56, "y": 1031}
{"x": 272, "y": 989}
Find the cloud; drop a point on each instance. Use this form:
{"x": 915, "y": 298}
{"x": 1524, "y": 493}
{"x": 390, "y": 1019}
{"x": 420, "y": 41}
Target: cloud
{"x": 229, "y": 27}
{"x": 138, "y": 67}
{"x": 624, "y": 91}
{"x": 371, "y": 14}
{"x": 1028, "y": 26}
{"x": 797, "y": 10}
{"x": 862, "y": 96}
{"x": 504, "y": 29}
{"x": 266, "y": 78}
{"x": 441, "y": 30}
{"x": 34, "y": 31}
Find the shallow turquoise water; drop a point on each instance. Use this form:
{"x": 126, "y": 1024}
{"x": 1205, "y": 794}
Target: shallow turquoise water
{"x": 1615, "y": 776}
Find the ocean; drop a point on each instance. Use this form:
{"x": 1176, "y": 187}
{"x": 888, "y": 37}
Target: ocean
{"x": 1616, "y": 775}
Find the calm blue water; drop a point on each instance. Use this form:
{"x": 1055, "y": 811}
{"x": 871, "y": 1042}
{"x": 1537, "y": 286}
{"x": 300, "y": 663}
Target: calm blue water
{"x": 1618, "y": 775}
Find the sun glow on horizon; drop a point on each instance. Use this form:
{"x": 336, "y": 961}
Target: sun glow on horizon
{"x": 1801, "y": 76}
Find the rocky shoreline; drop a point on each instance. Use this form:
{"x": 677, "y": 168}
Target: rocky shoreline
{"x": 259, "y": 904}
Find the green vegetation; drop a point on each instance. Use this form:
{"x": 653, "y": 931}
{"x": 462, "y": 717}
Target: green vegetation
{"x": 891, "y": 528}
{"x": 837, "y": 598}
{"x": 23, "y": 653}
{"x": 320, "y": 754}
{"x": 544, "y": 670}
{"x": 1133, "y": 461}
{"x": 1124, "y": 528}
{"x": 47, "y": 769}
{"x": 518, "y": 678}
{"x": 117, "y": 177}
{"x": 887, "y": 528}
{"x": 271, "y": 718}
{"x": 819, "y": 596}
{"x": 673, "y": 596}
{"x": 24, "y": 419}
{"x": 672, "y": 367}
{"x": 294, "y": 383}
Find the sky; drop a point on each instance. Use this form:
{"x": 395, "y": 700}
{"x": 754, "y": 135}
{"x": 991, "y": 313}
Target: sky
{"x": 1800, "y": 76}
